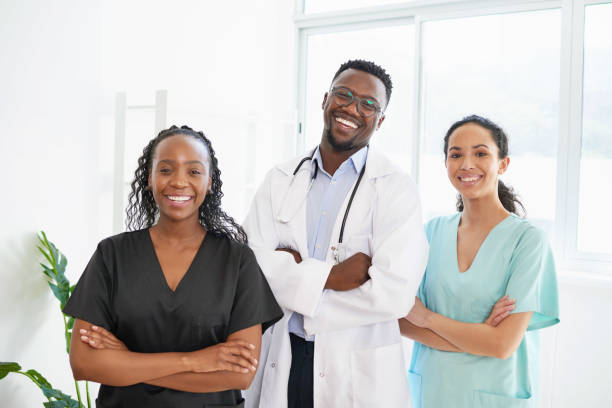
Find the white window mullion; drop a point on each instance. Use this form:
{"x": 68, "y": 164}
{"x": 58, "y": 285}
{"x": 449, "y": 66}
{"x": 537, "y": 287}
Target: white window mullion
{"x": 417, "y": 103}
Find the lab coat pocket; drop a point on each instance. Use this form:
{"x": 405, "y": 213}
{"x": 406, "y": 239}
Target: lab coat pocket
{"x": 414, "y": 380}
{"x": 483, "y": 399}
{"x": 379, "y": 377}
{"x": 208, "y": 329}
{"x": 354, "y": 244}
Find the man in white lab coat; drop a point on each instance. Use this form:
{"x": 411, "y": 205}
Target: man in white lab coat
{"x": 339, "y": 236}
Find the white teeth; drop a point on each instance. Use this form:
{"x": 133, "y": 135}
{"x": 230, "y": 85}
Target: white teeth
{"x": 179, "y": 198}
{"x": 469, "y": 178}
{"x": 347, "y": 123}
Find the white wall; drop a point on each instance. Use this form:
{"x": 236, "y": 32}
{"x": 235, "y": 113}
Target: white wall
{"x": 62, "y": 63}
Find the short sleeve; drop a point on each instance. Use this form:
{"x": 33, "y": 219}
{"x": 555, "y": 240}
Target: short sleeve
{"x": 429, "y": 227}
{"x": 533, "y": 281}
{"x": 254, "y": 302}
{"x": 90, "y": 300}
{"x": 421, "y": 292}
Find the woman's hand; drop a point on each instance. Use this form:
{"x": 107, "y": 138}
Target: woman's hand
{"x": 233, "y": 355}
{"x": 419, "y": 314}
{"x": 500, "y": 311}
{"x": 99, "y": 338}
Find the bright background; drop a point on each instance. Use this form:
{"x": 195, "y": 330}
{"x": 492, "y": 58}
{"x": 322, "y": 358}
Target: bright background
{"x": 251, "y": 75}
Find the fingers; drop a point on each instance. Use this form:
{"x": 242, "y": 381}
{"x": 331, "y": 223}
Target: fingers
{"x": 242, "y": 349}
{"x": 237, "y": 356}
{"x": 502, "y": 309}
{"x": 497, "y": 320}
{"x": 91, "y": 339}
{"x": 100, "y": 339}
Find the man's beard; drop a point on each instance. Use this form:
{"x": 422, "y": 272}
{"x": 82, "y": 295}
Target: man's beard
{"x": 337, "y": 146}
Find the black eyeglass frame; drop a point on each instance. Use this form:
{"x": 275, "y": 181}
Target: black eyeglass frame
{"x": 377, "y": 108}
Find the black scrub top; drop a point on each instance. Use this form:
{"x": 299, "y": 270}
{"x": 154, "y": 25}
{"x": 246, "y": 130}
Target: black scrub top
{"x": 123, "y": 289}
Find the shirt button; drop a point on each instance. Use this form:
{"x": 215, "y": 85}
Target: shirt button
{"x": 321, "y": 375}
{"x": 273, "y": 365}
{"x": 318, "y": 246}
{"x": 324, "y": 213}
{"x": 333, "y": 181}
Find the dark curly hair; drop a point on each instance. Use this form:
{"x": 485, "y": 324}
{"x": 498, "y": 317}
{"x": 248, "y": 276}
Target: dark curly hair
{"x": 142, "y": 210}
{"x": 370, "y": 68}
{"x": 507, "y": 195}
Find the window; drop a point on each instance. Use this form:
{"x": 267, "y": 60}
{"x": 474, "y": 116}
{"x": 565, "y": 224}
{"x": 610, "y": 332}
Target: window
{"x": 321, "y": 6}
{"x": 594, "y": 222}
{"x": 504, "y": 67}
{"x": 541, "y": 70}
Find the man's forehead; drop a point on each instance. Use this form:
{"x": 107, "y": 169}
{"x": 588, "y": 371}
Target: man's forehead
{"x": 362, "y": 83}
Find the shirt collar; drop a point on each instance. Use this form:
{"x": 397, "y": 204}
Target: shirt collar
{"x": 357, "y": 161}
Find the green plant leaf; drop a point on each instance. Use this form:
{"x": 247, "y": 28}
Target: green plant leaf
{"x": 72, "y": 288}
{"x": 62, "y": 400}
{"x": 54, "y": 252}
{"x": 48, "y": 271}
{"x": 44, "y": 237}
{"x": 70, "y": 322}
{"x": 39, "y": 379}
{"x": 60, "y": 294}
{"x": 51, "y": 393}
{"x": 57, "y": 404}
{"x": 6, "y": 368}
{"x": 61, "y": 266}
{"x": 45, "y": 254}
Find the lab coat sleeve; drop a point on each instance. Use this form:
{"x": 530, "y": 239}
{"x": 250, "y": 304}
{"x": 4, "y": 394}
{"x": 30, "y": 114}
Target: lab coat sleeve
{"x": 297, "y": 287}
{"x": 399, "y": 256}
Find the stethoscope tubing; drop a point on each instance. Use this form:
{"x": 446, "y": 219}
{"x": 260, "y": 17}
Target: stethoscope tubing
{"x": 314, "y": 176}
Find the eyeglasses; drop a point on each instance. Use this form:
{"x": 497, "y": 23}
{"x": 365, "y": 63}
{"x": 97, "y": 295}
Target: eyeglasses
{"x": 365, "y": 106}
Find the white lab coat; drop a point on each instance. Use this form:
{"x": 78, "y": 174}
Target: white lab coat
{"x": 358, "y": 356}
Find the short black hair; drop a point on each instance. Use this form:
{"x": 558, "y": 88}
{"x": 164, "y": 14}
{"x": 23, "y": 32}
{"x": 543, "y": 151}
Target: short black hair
{"x": 370, "y": 68}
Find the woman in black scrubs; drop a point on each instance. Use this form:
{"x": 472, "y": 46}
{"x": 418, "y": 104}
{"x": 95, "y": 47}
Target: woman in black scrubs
{"x": 171, "y": 313}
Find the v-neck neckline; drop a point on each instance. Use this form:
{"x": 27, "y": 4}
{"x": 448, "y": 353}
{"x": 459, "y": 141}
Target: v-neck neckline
{"x": 456, "y": 241}
{"x": 160, "y": 270}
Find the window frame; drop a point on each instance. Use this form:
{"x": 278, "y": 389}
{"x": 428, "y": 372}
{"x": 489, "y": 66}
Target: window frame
{"x": 564, "y": 236}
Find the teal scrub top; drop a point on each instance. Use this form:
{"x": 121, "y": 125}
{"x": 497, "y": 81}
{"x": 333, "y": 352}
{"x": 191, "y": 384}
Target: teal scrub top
{"x": 514, "y": 259}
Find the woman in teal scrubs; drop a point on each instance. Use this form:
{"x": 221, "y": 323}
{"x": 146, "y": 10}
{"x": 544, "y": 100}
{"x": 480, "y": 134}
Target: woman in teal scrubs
{"x": 486, "y": 264}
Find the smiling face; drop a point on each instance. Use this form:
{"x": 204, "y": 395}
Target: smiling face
{"x": 179, "y": 178}
{"x": 345, "y": 129}
{"x": 472, "y": 162}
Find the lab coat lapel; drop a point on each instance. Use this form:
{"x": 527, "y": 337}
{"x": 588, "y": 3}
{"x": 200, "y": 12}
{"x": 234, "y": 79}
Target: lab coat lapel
{"x": 292, "y": 213}
{"x": 359, "y": 220}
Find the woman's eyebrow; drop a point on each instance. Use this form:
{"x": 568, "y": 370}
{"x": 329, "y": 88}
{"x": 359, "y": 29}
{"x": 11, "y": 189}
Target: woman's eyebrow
{"x": 170, "y": 161}
{"x": 481, "y": 145}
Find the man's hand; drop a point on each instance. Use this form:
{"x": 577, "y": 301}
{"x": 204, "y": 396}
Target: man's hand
{"x": 350, "y": 273}
{"x": 296, "y": 254}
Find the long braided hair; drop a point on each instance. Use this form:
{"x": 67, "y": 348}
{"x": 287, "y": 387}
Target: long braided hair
{"x": 142, "y": 210}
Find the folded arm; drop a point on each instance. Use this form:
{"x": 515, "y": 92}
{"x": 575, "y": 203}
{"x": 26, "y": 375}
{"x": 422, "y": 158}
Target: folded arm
{"x": 429, "y": 338}
{"x": 110, "y": 362}
{"x": 296, "y": 286}
{"x": 482, "y": 339}
{"x": 425, "y": 336}
{"x": 218, "y": 380}
{"x": 399, "y": 255}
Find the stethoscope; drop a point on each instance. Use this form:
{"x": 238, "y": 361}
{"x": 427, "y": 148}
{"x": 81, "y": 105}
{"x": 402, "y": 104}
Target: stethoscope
{"x": 350, "y": 202}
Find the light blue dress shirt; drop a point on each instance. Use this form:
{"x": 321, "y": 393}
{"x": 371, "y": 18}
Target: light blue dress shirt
{"x": 324, "y": 201}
